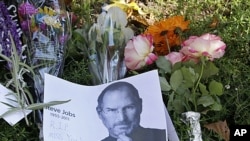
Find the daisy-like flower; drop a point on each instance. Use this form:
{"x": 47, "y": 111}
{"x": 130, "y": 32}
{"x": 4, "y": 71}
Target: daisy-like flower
{"x": 164, "y": 33}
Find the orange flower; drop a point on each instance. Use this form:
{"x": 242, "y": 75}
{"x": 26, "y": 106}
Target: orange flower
{"x": 164, "y": 33}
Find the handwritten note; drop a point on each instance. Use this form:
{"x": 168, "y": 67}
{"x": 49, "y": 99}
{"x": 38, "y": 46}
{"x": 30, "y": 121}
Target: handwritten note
{"x": 61, "y": 122}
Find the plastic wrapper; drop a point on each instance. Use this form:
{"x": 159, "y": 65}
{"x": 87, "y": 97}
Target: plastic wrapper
{"x": 193, "y": 120}
{"x": 46, "y": 27}
{"x": 106, "y": 40}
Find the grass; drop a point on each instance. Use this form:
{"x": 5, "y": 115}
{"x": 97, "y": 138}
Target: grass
{"x": 231, "y": 19}
{"x": 19, "y": 132}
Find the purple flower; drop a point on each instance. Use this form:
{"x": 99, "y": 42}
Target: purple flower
{"x": 43, "y": 26}
{"x": 26, "y": 9}
{"x": 63, "y": 39}
{"x": 25, "y": 25}
{"x": 8, "y": 26}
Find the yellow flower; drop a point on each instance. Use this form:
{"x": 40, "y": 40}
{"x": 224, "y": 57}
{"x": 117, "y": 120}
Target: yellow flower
{"x": 164, "y": 33}
{"x": 47, "y": 10}
{"x": 52, "y": 21}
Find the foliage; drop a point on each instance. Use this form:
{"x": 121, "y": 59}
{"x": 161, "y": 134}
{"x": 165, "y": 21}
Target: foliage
{"x": 19, "y": 132}
{"x": 23, "y": 98}
{"x": 188, "y": 87}
{"x": 77, "y": 72}
{"x": 230, "y": 20}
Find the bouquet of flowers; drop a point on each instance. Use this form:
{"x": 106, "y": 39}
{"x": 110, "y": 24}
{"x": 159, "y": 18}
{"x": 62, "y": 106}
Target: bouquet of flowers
{"x": 185, "y": 75}
{"x": 12, "y": 53}
{"x": 190, "y": 69}
{"x": 46, "y": 27}
{"x": 190, "y": 87}
{"x": 104, "y": 43}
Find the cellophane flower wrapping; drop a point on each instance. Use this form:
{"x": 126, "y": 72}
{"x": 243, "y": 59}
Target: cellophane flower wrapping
{"x": 105, "y": 41}
{"x": 46, "y": 27}
{"x": 193, "y": 120}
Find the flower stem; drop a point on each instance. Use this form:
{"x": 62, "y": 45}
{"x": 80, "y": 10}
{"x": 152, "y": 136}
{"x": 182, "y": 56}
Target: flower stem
{"x": 167, "y": 43}
{"x": 196, "y": 86}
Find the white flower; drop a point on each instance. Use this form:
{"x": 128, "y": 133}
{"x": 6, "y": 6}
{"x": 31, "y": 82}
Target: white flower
{"x": 114, "y": 18}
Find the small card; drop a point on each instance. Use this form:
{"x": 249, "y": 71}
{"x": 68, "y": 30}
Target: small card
{"x": 14, "y": 117}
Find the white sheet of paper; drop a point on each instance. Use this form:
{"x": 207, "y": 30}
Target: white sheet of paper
{"x": 77, "y": 120}
{"x": 172, "y": 134}
{"x": 13, "y": 117}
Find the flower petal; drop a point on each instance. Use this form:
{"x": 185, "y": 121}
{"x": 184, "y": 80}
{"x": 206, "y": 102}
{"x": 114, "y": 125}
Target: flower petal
{"x": 138, "y": 52}
{"x": 141, "y": 45}
{"x": 174, "y": 57}
{"x": 150, "y": 58}
{"x": 206, "y": 45}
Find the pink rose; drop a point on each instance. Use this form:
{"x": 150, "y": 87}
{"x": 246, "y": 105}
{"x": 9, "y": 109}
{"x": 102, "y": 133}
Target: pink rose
{"x": 174, "y": 57}
{"x": 208, "y": 45}
{"x": 138, "y": 52}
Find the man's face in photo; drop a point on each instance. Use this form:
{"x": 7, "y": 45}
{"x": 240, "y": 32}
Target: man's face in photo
{"x": 120, "y": 112}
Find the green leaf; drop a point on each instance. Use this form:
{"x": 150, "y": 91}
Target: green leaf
{"x": 177, "y": 66}
{"x": 163, "y": 64}
{"x": 37, "y": 106}
{"x": 164, "y": 84}
{"x": 205, "y": 100}
{"x": 203, "y": 89}
{"x": 209, "y": 70}
{"x": 182, "y": 89}
{"x": 215, "y": 88}
{"x": 170, "y": 101}
{"x": 5, "y": 58}
{"x": 189, "y": 76}
{"x": 216, "y": 106}
{"x": 29, "y": 69}
{"x": 187, "y": 95}
{"x": 178, "y": 106}
{"x": 176, "y": 79}
{"x": 29, "y": 95}
{"x": 189, "y": 63}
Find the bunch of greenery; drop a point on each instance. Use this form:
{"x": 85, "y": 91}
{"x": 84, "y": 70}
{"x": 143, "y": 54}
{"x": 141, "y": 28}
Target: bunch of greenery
{"x": 229, "y": 20}
{"x": 22, "y": 97}
{"x": 188, "y": 86}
